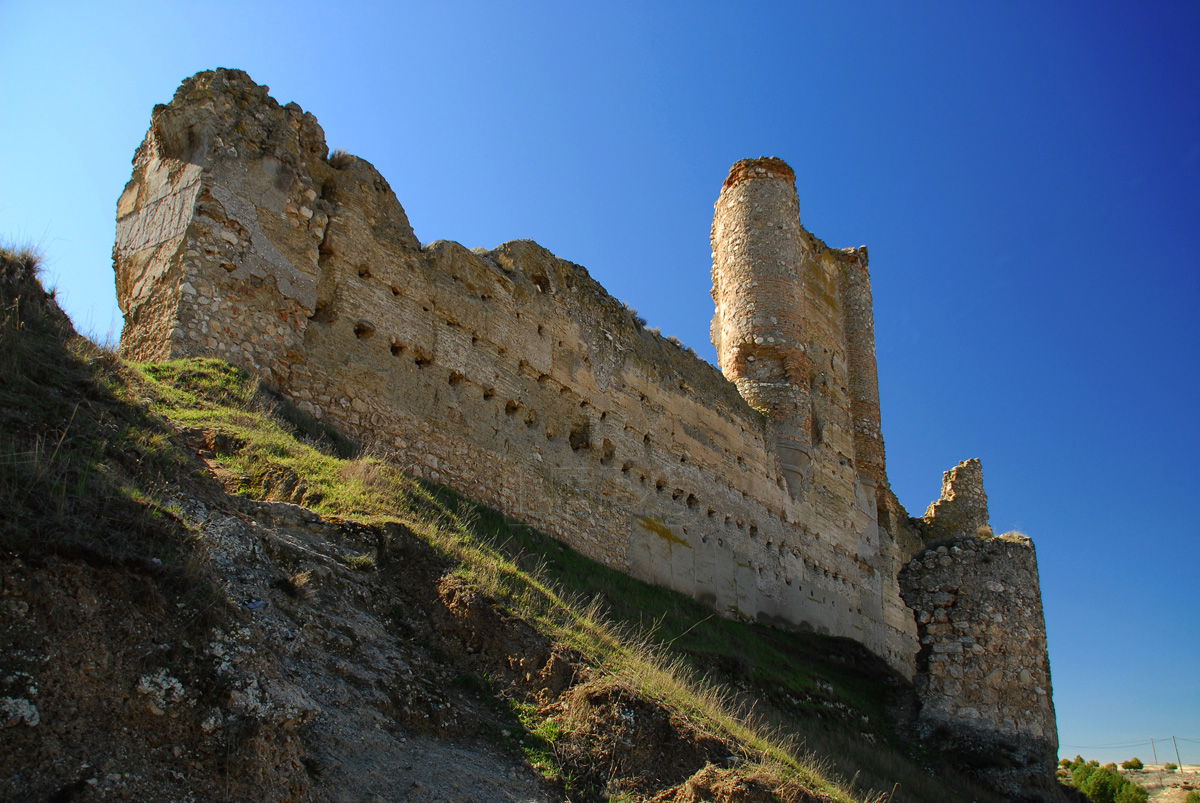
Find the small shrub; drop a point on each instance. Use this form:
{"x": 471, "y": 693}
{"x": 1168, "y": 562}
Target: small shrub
{"x": 1102, "y": 785}
{"x": 1134, "y": 763}
{"x": 633, "y": 313}
{"x": 340, "y": 160}
{"x": 1192, "y": 797}
{"x": 25, "y": 257}
{"x": 1131, "y": 793}
{"x": 1080, "y": 774}
{"x": 1169, "y": 767}
{"x": 296, "y": 585}
{"x": 361, "y": 563}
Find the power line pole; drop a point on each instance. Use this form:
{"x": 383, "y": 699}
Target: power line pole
{"x": 1177, "y": 758}
{"x": 1154, "y": 749}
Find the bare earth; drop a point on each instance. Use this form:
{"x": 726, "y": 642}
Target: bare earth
{"x": 1166, "y": 787}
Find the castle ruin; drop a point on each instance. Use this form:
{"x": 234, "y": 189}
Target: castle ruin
{"x": 511, "y": 376}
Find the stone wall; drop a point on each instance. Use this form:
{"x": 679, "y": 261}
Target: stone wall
{"x": 512, "y": 376}
{"x": 982, "y": 672}
{"x": 962, "y": 509}
{"x": 508, "y": 374}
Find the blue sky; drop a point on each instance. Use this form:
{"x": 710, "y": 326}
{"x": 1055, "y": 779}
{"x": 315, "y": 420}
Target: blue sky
{"x": 1025, "y": 175}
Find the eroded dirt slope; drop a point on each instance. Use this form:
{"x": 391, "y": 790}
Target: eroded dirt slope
{"x": 163, "y": 639}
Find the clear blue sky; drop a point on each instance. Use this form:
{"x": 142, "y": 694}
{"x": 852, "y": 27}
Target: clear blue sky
{"x": 1026, "y": 175}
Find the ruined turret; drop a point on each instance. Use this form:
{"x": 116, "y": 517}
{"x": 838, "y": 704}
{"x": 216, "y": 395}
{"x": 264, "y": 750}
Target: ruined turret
{"x": 983, "y": 672}
{"x": 759, "y": 256}
{"x": 794, "y": 330}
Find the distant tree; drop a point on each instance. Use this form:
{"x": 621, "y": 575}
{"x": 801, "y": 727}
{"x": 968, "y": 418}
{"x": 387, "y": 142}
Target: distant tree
{"x": 1105, "y": 784}
{"x": 1132, "y": 793}
{"x": 1134, "y": 763}
{"x": 1169, "y": 767}
{"x": 1080, "y": 774}
{"x": 1102, "y": 785}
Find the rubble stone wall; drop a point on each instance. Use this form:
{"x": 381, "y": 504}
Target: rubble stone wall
{"x": 962, "y": 508}
{"x": 982, "y": 671}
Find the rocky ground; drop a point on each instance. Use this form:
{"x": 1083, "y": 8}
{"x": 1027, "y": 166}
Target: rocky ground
{"x": 1166, "y": 787}
{"x": 390, "y": 681}
{"x": 313, "y": 688}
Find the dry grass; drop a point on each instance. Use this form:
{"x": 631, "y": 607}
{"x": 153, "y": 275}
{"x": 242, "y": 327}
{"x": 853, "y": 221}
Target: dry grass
{"x": 530, "y": 576}
{"x": 215, "y": 397}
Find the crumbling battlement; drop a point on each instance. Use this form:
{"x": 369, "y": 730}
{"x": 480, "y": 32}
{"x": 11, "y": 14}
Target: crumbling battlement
{"x": 962, "y": 508}
{"x": 512, "y": 376}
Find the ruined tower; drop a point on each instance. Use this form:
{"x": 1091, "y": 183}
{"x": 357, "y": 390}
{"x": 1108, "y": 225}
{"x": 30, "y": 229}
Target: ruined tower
{"x": 759, "y": 258}
{"x": 794, "y": 331}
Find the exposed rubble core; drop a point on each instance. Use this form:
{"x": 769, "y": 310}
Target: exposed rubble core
{"x": 511, "y": 376}
{"x": 983, "y": 675}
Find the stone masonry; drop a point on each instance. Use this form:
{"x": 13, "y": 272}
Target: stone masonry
{"x": 982, "y": 672}
{"x": 512, "y": 376}
{"x": 963, "y": 505}
{"x": 983, "y": 675}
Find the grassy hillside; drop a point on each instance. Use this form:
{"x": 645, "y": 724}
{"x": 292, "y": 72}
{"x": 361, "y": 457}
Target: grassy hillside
{"x": 96, "y": 454}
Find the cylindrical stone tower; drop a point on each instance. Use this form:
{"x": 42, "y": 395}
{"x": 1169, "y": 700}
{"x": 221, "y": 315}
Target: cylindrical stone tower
{"x": 759, "y": 254}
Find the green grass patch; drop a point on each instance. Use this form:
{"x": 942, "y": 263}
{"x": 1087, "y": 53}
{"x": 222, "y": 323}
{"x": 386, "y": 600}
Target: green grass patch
{"x": 540, "y": 735}
{"x": 361, "y": 562}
